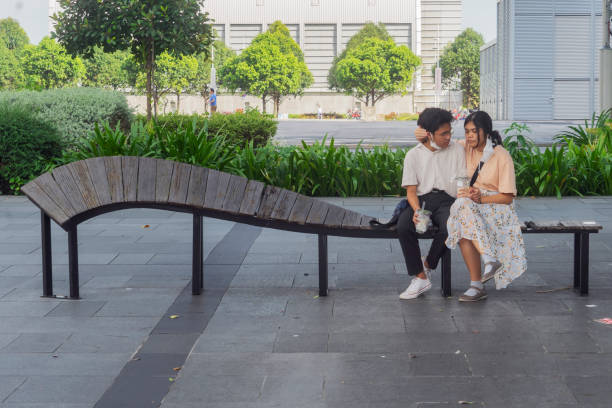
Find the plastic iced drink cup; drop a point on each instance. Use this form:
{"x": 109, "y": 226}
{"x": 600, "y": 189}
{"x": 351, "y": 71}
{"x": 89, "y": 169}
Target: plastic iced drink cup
{"x": 463, "y": 183}
{"x": 424, "y": 220}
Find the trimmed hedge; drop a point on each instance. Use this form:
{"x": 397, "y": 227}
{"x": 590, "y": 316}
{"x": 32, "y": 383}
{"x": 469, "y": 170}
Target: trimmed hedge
{"x": 237, "y": 128}
{"x": 27, "y": 145}
{"x": 74, "y": 111}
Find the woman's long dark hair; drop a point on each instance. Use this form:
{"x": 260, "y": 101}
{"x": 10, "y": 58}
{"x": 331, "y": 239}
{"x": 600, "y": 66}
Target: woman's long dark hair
{"x": 482, "y": 120}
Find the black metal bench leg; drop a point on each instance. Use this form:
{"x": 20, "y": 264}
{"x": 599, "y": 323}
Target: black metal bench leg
{"x": 197, "y": 272}
{"x": 73, "y": 262}
{"x": 576, "y": 261}
{"x": 323, "y": 265}
{"x": 47, "y": 261}
{"x": 446, "y": 273}
{"x": 584, "y": 263}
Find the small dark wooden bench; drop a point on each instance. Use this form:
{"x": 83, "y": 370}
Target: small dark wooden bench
{"x": 74, "y": 193}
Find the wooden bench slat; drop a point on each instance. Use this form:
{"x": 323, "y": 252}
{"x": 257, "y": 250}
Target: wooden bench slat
{"x": 318, "y": 212}
{"x": 365, "y": 221}
{"x": 334, "y": 217}
{"x": 283, "y": 207}
{"x": 197, "y": 186}
{"x": 211, "y": 188}
{"x": 115, "y": 178}
{"x": 129, "y": 167}
{"x": 146, "y": 179}
{"x": 351, "y": 219}
{"x": 47, "y": 183}
{"x": 36, "y": 194}
{"x": 63, "y": 177}
{"x": 80, "y": 172}
{"x": 300, "y": 210}
{"x": 235, "y": 192}
{"x": 252, "y": 197}
{"x": 268, "y": 202}
{"x": 163, "y": 178}
{"x": 180, "y": 183}
{"x": 99, "y": 179}
{"x": 222, "y": 186}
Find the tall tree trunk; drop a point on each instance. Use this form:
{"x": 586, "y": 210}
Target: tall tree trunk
{"x": 373, "y": 99}
{"x": 276, "y": 104}
{"x": 263, "y": 101}
{"x": 150, "y": 68}
{"x": 178, "y": 102}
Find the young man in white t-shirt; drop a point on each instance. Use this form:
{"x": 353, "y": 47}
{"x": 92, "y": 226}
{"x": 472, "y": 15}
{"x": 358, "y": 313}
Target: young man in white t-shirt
{"x": 429, "y": 175}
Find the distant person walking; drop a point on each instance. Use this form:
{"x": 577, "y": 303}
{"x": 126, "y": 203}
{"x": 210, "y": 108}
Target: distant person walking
{"x": 212, "y": 99}
{"x": 319, "y": 112}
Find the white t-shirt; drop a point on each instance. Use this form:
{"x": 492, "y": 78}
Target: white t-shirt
{"x": 428, "y": 170}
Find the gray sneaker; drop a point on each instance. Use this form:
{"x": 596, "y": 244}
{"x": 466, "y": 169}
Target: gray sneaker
{"x": 480, "y": 295}
{"x": 491, "y": 274}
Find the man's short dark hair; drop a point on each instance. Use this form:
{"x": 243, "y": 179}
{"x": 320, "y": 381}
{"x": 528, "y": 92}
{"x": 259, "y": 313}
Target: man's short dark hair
{"x": 212, "y": 90}
{"x": 432, "y": 118}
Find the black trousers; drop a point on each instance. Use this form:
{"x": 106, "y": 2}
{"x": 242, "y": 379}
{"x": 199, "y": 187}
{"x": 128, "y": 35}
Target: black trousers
{"x": 439, "y": 204}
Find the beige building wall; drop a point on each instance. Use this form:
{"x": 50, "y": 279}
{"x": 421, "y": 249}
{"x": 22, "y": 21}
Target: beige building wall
{"x": 330, "y": 103}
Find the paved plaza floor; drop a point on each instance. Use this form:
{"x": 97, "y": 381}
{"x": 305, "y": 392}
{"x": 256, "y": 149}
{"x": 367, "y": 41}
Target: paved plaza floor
{"x": 260, "y": 337}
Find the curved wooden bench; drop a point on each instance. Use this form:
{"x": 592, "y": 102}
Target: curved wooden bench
{"x": 81, "y": 190}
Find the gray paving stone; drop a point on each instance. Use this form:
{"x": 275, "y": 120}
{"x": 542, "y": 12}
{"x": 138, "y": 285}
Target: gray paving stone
{"x": 105, "y": 282}
{"x": 22, "y": 271}
{"x": 221, "y": 388}
{"x": 25, "y": 309}
{"x": 505, "y": 362}
{"x": 6, "y": 339}
{"x": 135, "y": 307}
{"x": 90, "y": 343}
{"x": 591, "y": 390}
{"x": 8, "y": 384}
{"x": 58, "y": 364}
{"x": 569, "y": 342}
{"x": 132, "y": 258}
{"x": 77, "y": 309}
{"x": 59, "y": 389}
{"x": 526, "y": 391}
{"x": 35, "y": 343}
{"x": 305, "y": 342}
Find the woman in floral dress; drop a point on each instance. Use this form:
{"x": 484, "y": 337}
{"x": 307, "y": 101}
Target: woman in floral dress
{"x": 483, "y": 220}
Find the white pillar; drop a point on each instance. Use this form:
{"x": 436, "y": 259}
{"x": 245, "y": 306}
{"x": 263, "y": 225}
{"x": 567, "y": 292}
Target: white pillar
{"x": 605, "y": 62}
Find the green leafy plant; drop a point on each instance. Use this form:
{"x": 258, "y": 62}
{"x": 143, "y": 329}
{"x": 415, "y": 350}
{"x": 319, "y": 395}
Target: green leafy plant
{"x": 599, "y": 127}
{"x": 74, "y": 111}
{"x": 27, "y": 144}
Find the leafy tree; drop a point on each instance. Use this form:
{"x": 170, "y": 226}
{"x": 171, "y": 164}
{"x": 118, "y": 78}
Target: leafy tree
{"x": 460, "y": 62}
{"x": 146, "y": 27}
{"x": 370, "y": 30}
{"x": 202, "y": 80}
{"x": 48, "y": 65}
{"x": 172, "y": 75}
{"x": 376, "y": 69}
{"x": 271, "y": 67}
{"x": 12, "y": 35}
{"x": 106, "y": 69}
{"x": 11, "y": 73}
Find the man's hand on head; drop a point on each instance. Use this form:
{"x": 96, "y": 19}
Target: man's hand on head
{"x": 420, "y": 134}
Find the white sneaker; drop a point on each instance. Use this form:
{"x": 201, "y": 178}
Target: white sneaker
{"x": 417, "y": 287}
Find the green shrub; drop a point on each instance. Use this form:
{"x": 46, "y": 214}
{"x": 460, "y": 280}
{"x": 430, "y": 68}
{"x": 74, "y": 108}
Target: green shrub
{"x": 74, "y": 111}
{"x": 187, "y": 143}
{"x": 600, "y": 127}
{"x": 324, "y": 169}
{"x": 27, "y": 144}
{"x": 237, "y": 128}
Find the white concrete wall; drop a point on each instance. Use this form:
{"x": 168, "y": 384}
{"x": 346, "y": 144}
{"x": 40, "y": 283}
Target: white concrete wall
{"x": 334, "y": 103}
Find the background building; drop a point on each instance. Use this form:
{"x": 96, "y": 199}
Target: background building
{"x": 322, "y": 28}
{"x": 545, "y": 60}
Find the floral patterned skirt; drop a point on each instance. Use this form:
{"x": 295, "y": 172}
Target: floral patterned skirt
{"x": 496, "y": 230}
